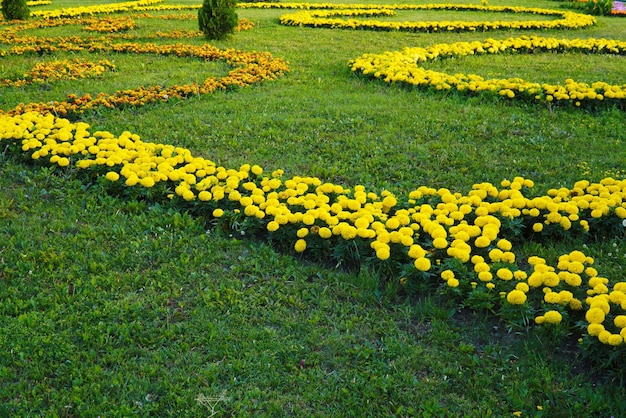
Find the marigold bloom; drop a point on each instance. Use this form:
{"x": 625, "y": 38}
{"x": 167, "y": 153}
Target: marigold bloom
{"x": 482, "y": 242}
{"x": 422, "y": 264}
{"x": 516, "y": 297}
{"x": 300, "y": 245}
{"x": 440, "y": 243}
{"x": 553, "y": 317}
{"x": 504, "y": 274}
{"x": 452, "y": 282}
{"x": 325, "y": 232}
{"x": 595, "y": 329}
{"x": 383, "y": 253}
{"x": 615, "y": 339}
{"x": 595, "y": 316}
{"x": 112, "y": 176}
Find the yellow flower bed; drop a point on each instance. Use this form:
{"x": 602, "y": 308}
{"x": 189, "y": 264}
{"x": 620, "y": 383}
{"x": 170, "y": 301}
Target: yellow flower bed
{"x": 404, "y": 67}
{"x": 328, "y": 17}
{"x": 248, "y": 67}
{"x": 425, "y": 230}
{"x": 60, "y": 70}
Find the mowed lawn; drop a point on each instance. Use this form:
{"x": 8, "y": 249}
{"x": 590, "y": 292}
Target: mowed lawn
{"x": 116, "y": 306}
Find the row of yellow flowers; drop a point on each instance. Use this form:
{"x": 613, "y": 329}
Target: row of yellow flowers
{"x": 404, "y": 67}
{"x": 460, "y": 238}
{"x": 569, "y": 20}
{"x": 109, "y": 25}
{"x": 47, "y": 72}
{"x": 328, "y": 19}
{"x": 248, "y": 68}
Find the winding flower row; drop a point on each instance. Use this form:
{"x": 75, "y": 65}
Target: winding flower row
{"x": 248, "y": 68}
{"x": 404, "y": 67}
{"x": 60, "y": 70}
{"x": 464, "y": 239}
{"x": 328, "y": 19}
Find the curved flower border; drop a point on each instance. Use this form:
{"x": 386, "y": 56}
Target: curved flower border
{"x": 431, "y": 235}
{"x": 248, "y": 68}
{"x": 60, "y": 70}
{"x": 403, "y": 67}
{"x": 326, "y": 19}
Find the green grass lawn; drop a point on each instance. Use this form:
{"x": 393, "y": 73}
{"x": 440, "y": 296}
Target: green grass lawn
{"x": 118, "y": 307}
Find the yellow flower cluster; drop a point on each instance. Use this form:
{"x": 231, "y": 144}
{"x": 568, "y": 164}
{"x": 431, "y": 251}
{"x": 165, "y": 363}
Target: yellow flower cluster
{"x": 47, "y": 72}
{"x": 403, "y": 67}
{"x": 92, "y": 10}
{"x": 327, "y": 19}
{"x": 108, "y": 25}
{"x": 427, "y": 228}
{"x": 248, "y": 68}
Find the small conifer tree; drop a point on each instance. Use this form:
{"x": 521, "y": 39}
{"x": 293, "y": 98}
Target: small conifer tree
{"x": 15, "y": 10}
{"x": 217, "y": 18}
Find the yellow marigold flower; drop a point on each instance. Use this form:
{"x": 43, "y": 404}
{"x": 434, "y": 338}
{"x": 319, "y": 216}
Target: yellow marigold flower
{"x": 272, "y": 226}
{"x": 302, "y": 232}
{"x": 504, "y": 245}
{"x": 416, "y": 251}
{"x": 453, "y": 282}
{"x": 615, "y": 339}
{"x": 534, "y": 260}
{"x": 540, "y": 319}
{"x": 523, "y": 287}
{"x": 147, "y": 182}
{"x": 482, "y": 242}
{"x": 551, "y": 297}
{"x": 300, "y": 245}
{"x": 188, "y": 195}
{"x": 440, "y": 243}
{"x": 257, "y": 170}
{"x": 389, "y": 201}
{"x": 595, "y": 329}
{"x": 112, "y": 176}
{"x": 553, "y": 317}
{"x": 538, "y": 227}
{"x": 504, "y": 274}
{"x": 565, "y": 296}
{"x": 516, "y": 297}
{"x": 447, "y": 274}
{"x": 591, "y": 272}
{"x": 63, "y": 162}
{"x": 205, "y": 196}
{"x": 617, "y": 297}
{"x": 551, "y": 279}
{"x": 490, "y": 286}
{"x": 535, "y": 279}
{"x": 485, "y": 276}
{"x": 520, "y": 275}
{"x": 604, "y": 336}
{"x": 325, "y": 232}
{"x": 218, "y": 213}
{"x": 576, "y": 267}
{"x": 496, "y": 255}
{"x": 422, "y": 264}
{"x": 595, "y": 316}
{"x": 575, "y": 305}
{"x": 481, "y": 266}
{"x": 383, "y": 252}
